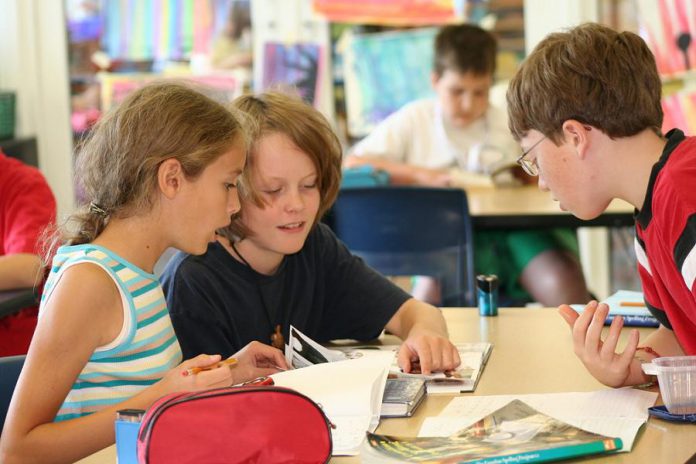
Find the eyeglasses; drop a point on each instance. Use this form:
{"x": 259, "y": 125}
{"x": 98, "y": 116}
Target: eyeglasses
{"x": 530, "y": 167}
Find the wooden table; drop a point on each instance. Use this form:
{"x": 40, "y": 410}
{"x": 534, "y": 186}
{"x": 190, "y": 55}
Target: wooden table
{"x": 532, "y": 354}
{"x": 529, "y": 207}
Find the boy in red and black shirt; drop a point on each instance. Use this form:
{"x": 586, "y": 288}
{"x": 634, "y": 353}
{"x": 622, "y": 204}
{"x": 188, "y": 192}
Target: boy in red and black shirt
{"x": 585, "y": 106}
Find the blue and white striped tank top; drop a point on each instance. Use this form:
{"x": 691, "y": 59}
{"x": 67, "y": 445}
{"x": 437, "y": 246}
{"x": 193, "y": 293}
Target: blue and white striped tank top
{"x": 141, "y": 354}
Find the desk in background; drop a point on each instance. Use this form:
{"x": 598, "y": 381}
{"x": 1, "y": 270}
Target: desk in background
{"x": 532, "y": 354}
{"x": 12, "y": 301}
{"x": 529, "y": 207}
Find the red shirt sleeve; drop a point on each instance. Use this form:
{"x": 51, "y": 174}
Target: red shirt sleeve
{"x": 28, "y": 206}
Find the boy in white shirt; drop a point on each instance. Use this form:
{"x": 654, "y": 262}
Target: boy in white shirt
{"x": 428, "y": 142}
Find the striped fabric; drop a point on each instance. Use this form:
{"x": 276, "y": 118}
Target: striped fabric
{"x": 143, "y": 352}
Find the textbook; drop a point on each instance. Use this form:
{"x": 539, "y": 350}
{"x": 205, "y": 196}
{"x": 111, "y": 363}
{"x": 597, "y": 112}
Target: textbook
{"x": 628, "y": 304}
{"x": 473, "y": 356}
{"x": 402, "y": 396}
{"x": 348, "y": 388}
{"x": 514, "y": 433}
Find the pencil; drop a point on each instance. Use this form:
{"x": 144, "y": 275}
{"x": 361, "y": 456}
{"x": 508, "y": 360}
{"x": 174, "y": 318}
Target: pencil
{"x": 636, "y": 304}
{"x": 196, "y": 370}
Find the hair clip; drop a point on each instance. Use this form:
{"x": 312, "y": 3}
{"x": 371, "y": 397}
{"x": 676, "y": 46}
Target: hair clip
{"x": 96, "y": 209}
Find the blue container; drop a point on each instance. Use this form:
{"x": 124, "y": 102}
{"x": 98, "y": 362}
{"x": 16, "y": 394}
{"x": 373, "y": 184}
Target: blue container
{"x": 127, "y": 427}
{"x": 487, "y": 291}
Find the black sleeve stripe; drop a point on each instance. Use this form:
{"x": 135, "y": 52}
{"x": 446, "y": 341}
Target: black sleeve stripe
{"x": 686, "y": 242}
{"x": 659, "y": 314}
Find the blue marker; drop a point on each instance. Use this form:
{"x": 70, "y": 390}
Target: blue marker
{"x": 487, "y": 294}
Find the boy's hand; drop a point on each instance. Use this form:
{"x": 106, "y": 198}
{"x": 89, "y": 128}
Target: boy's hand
{"x": 257, "y": 360}
{"x": 432, "y": 351}
{"x": 600, "y": 356}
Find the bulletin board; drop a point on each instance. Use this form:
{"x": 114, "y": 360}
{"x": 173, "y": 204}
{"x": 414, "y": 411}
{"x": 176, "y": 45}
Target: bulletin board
{"x": 383, "y": 72}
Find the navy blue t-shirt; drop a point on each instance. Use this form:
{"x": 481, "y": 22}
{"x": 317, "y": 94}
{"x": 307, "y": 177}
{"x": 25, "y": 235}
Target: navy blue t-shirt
{"x": 323, "y": 290}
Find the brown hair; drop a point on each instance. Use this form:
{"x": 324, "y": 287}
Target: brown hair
{"x": 117, "y": 163}
{"x": 591, "y": 73}
{"x": 307, "y": 128}
{"x": 465, "y": 48}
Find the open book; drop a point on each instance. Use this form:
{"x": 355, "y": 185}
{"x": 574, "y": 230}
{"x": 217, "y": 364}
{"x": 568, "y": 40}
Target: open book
{"x": 463, "y": 379}
{"x": 349, "y": 390}
{"x": 514, "y": 433}
{"x": 302, "y": 351}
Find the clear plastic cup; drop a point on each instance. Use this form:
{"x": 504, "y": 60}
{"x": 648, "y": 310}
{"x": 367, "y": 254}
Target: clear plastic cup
{"x": 677, "y": 378}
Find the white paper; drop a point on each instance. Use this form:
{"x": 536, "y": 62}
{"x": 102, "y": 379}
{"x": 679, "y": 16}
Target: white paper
{"x": 612, "y": 412}
{"x": 350, "y": 393}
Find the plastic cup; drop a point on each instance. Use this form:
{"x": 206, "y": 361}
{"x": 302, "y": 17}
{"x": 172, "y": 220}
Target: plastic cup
{"x": 677, "y": 378}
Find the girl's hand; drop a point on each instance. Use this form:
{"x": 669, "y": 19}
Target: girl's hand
{"x": 256, "y": 360}
{"x": 600, "y": 356}
{"x": 179, "y": 379}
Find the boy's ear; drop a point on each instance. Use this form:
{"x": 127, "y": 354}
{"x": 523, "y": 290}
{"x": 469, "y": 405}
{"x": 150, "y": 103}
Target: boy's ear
{"x": 170, "y": 177}
{"x": 577, "y": 135}
{"x": 434, "y": 78}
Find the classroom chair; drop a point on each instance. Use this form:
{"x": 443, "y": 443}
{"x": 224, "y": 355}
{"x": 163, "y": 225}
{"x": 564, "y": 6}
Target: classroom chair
{"x": 408, "y": 230}
{"x": 10, "y": 367}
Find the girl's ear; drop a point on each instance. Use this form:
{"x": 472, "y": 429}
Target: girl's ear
{"x": 170, "y": 177}
{"x": 577, "y": 135}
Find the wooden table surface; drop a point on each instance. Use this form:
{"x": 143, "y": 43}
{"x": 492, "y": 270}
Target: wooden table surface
{"x": 532, "y": 354}
{"x": 522, "y": 207}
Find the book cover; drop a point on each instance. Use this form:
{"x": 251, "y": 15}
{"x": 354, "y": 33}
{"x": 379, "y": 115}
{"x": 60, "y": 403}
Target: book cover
{"x": 514, "y": 433}
{"x": 402, "y": 396}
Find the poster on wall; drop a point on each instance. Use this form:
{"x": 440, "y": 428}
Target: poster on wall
{"x": 392, "y": 12}
{"x": 383, "y": 72}
{"x": 295, "y": 66}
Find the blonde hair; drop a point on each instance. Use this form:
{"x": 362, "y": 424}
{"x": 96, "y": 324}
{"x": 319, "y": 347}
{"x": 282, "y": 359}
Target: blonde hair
{"x": 117, "y": 163}
{"x": 592, "y": 74}
{"x": 276, "y": 112}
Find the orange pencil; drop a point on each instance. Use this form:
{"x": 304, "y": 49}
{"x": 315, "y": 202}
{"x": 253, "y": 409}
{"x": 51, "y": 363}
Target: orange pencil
{"x": 636, "y": 304}
{"x": 196, "y": 370}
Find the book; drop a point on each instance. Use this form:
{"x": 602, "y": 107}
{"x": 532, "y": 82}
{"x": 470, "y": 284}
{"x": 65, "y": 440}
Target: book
{"x": 348, "y": 388}
{"x": 350, "y": 393}
{"x": 514, "y": 433}
{"x": 615, "y": 412}
{"x": 402, "y": 396}
{"x": 464, "y": 378}
{"x": 628, "y": 304}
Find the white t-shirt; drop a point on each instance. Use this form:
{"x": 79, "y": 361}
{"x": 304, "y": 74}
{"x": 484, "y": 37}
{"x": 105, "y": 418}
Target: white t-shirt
{"x": 418, "y": 135}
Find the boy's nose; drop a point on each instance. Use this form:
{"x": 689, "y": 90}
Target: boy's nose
{"x": 465, "y": 102}
{"x": 233, "y": 204}
{"x": 295, "y": 202}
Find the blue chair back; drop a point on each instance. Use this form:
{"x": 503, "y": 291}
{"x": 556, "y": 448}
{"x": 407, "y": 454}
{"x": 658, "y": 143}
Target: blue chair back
{"x": 10, "y": 367}
{"x": 411, "y": 231}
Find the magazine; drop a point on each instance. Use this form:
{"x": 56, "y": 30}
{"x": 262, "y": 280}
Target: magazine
{"x": 514, "y": 433}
